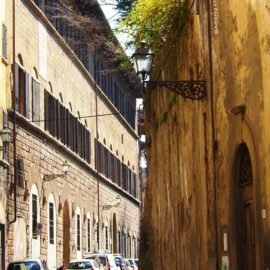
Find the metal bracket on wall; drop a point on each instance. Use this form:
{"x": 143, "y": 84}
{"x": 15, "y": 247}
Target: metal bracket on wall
{"x": 194, "y": 90}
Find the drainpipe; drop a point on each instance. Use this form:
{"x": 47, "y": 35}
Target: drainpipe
{"x": 97, "y": 152}
{"x": 14, "y": 122}
{"x": 213, "y": 127}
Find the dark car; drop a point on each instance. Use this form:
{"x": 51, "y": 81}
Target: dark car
{"x": 27, "y": 265}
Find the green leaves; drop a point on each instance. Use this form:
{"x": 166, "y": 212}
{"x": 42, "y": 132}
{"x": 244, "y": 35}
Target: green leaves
{"x": 151, "y": 21}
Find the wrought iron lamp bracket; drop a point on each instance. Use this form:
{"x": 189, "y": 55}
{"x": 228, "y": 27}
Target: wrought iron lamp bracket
{"x": 194, "y": 90}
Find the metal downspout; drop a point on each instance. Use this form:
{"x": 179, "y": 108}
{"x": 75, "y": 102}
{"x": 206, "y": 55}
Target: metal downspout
{"x": 14, "y": 121}
{"x": 213, "y": 128}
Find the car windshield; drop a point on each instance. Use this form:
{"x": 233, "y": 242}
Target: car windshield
{"x": 28, "y": 265}
{"x": 79, "y": 265}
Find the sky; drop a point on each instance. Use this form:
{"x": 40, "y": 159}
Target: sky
{"x": 112, "y": 16}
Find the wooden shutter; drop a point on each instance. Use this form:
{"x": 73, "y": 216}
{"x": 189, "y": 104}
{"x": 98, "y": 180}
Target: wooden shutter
{"x": 71, "y": 134}
{"x": 35, "y": 101}
{"x": 46, "y": 110}
{"x": 27, "y": 96}
{"x": 4, "y": 41}
{"x": 57, "y": 118}
{"x": 87, "y": 145}
{"x": 75, "y": 134}
{"x": 83, "y": 142}
{"x": 67, "y": 127}
{"x": 80, "y": 143}
{"x": 17, "y": 94}
{"x": 62, "y": 123}
{"x": 20, "y": 172}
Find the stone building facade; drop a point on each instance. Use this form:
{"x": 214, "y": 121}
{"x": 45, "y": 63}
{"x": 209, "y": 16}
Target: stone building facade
{"x": 3, "y": 109}
{"x": 207, "y": 198}
{"x": 63, "y": 115}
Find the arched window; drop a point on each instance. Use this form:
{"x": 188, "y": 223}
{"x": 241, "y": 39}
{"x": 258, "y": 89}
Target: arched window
{"x": 35, "y": 226}
{"x": 106, "y": 235}
{"x": 35, "y": 98}
{"x": 78, "y": 228}
{"x": 119, "y": 240}
{"x": 22, "y": 91}
{"x": 88, "y": 233}
{"x": 124, "y": 242}
{"x": 51, "y": 231}
{"x": 245, "y": 167}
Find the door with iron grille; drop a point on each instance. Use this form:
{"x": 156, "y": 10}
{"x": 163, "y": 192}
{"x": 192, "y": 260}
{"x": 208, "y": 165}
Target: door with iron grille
{"x": 246, "y": 248}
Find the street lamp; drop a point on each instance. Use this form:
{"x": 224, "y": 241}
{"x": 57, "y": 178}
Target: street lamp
{"x": 5, "y": 135}
{"x": 142, "y": 59}
{"x": 50, "y": 177}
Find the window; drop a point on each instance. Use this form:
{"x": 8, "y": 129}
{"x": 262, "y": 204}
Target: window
{"x": 4, "y": 41}
{"x": 34, "y": 215}
{"x": 20, "y": 172}
{"x": 97, "y": 232}
{"x": 21, "y": 91}
{"x": 88, "y": 234}
{"x": 35, "y": 101}
{"x": 60, "y": 123}
{"x": 78, "y": 232}
{"x": 51, "y": 222}
{"x": 119, "y": 241}
{"x": 106, "y": 238}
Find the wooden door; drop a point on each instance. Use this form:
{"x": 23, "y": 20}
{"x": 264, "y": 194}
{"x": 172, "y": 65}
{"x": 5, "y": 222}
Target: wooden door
{"x": 246, "y": 248}
{"x": 66, "y": 235}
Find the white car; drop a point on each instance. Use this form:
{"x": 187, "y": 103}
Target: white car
{"x": 87, "y": 264}
{"x": 105, "y": 261}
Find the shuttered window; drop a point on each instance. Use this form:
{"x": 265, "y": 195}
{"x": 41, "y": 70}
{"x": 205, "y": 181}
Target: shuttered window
{"x": 64, "y": 126}
{"x": 78, "y": 232}
{"x": 88, "y": 235}
{"x": 20, "y": 172}
{"x": 34, "y": 216}
{"x": 22, "y": 91}
{"x": 4, "y": 41}
{"x": 35, "y": 102}
{"x": 51, "y": 222}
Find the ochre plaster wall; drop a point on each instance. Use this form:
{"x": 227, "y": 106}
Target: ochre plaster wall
{"x": 191, "y": 193}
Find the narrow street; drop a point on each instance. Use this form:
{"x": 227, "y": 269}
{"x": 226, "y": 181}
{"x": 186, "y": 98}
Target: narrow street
{"x": 134, "y": 135}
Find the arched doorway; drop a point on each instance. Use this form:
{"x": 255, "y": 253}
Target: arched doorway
{"x": 114, "y": 229}
{"x": 246, "y": 249}
{"x": 66, "y": 235}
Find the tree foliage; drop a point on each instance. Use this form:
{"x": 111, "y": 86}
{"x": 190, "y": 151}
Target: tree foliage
{"x": 124, "y": 7}
{"x": 152, "y": 20}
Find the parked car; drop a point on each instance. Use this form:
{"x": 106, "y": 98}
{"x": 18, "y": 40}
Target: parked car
{"x": 83, "y": 264}
{"x": 120, "y": 262}
{"x": 128, "y": 264}
{"x": 107, "y": 261}
{"x": 27, "y": 265}
{"x": 137, "y": 262}
{"x": 133, "y": 264}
